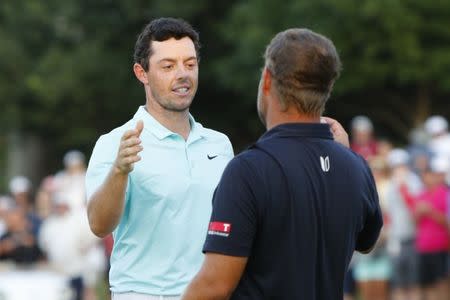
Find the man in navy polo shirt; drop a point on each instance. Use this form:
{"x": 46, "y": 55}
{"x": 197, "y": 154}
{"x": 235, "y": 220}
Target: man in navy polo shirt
{"x": 289, "y": 212}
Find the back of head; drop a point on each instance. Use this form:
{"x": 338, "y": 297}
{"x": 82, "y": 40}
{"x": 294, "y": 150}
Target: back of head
{"x": 72, "y": 158}
{"x": 160, "y": 30}
{"x": 398, "y": 157}
{"x": 436, "y": 125}
{"x": 439, "y": 165}
{"x": 19, "y": 185}
{"x": 304, "y": 65}
{"x": 362, "y": 123}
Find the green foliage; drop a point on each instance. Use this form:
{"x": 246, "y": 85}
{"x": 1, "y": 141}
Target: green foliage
{"x": 66, "y": 65}
{"x": 395, "y": 53}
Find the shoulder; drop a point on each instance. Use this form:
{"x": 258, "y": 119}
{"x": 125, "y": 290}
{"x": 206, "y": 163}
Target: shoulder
{"x": 243, "y": 178}
{"x": 352, "y": 155}
{"x": 213, "y": 135}
{"x": 252, "y": 163}
{"x": 220, "y": 141}
{"x": 357, "y": 161}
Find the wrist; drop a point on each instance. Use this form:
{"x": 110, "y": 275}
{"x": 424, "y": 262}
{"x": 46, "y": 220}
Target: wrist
{"x": 118, "y": 171}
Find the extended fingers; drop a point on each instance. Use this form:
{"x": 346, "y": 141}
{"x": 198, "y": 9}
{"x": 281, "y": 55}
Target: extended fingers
{"x": 334, "y": 125}
{"x": 339, "y": 133}
{"x": 130, "y": 142}
{"x": 130, "y": 133}
{"x": 129, "y": 160}
{"x": 128, "y": 151}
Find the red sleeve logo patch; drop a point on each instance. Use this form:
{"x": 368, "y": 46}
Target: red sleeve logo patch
{"x": 219, "y": 228}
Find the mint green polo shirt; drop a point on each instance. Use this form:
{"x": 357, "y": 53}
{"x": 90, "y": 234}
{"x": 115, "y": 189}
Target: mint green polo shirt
{"x": 158, "y": 242}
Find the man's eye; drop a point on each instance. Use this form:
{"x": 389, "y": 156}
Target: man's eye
{"x": 168, "y": 67}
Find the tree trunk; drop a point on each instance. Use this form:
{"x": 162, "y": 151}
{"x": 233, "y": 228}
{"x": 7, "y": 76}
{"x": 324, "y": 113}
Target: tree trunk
{"x": 24, "y": 156}
{"x": 423, "y": 104}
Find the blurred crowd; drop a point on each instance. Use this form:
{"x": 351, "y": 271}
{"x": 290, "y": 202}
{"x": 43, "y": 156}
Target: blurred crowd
{"x": 411, "y": 259}
{"x": 47, "y": 228}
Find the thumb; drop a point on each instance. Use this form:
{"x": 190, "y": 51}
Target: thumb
{"x": 139, "y": 127}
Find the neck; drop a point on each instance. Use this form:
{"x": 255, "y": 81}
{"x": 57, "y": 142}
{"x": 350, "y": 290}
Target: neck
{"x": 277, "y": 117}
{"x": 175, "y": 121}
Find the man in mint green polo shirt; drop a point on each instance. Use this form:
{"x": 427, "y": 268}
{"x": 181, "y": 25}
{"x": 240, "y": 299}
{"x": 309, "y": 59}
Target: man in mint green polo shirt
{"x": 150, "y": 181}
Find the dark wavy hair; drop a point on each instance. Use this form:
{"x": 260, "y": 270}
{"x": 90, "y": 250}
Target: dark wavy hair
{"x": 160, "y": 30}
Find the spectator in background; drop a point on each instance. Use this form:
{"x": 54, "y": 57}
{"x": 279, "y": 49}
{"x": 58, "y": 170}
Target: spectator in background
{"x": 20, "y": 188}
{"x": 384, "y": 147}
{"x": 420, "y": 160}
{"x": 66, "y": 239}
{"x": 433, "y": 240}
{"x": 363, "y": 141}
{"x": 439, "y": 143}
{"x": 44, "y": 198}
{"x": 70, "y": 182}
{"x": 418, "y": 150}
{"x": 6, "y": 203}
{"x": 437, "y": 128}
{"x": 69, "y": 187}
{"x": 18, "y": 244}
{"x": 373, "y": 271}
{"x": 448, "y": 226}
{"x": 401, "y": 227}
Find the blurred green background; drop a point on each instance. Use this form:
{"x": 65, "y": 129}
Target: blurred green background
{"x": 66, "y": 67}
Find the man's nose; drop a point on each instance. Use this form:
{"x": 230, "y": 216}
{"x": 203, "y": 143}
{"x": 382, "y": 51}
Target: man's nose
{"x": 182, "y": 72}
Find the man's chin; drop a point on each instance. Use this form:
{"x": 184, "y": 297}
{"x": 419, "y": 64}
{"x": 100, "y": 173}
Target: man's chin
{"x": 179, "y": 107}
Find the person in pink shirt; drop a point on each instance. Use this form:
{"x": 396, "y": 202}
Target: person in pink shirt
{"x": 433, "y": 236}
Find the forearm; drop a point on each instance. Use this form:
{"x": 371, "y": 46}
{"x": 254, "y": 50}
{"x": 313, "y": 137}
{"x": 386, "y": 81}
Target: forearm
{"x": 106, "y": 205}
{"x": 201, "y": 289}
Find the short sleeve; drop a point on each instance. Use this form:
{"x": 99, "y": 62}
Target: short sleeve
{"x": 229, "y": 148}
{"x": 233, "y": 223}
{"x": 100, "y": 164}
{"x": 373, "y": 222}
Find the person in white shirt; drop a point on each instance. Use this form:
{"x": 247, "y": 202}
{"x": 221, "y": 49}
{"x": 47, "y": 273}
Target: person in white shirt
{"x": 70, "y": 246}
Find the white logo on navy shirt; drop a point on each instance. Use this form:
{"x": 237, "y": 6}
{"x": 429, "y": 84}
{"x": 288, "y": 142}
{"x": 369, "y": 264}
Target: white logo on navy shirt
{"x": 325, "y": 163}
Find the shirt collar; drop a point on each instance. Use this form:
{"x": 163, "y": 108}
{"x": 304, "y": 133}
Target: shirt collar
{"x": 161, "y": 132}
{"x": 311, "y": 130}
{"x": 197, "y": 131}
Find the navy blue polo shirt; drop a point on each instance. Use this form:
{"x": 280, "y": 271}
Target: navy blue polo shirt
{"x": 297, "y": 204}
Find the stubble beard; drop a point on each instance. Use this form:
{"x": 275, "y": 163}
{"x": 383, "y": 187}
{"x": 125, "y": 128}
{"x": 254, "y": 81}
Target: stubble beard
{"x": 171, "y": 104}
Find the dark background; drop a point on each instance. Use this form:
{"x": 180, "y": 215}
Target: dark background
{"x": 66, "y": 66}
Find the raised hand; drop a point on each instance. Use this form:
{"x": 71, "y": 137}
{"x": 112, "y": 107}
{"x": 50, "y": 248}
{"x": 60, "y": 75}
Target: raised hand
{"x": 130, "y": 146}
{"x": 339, "y": 133}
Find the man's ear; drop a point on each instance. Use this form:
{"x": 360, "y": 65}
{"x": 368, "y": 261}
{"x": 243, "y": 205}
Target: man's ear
{"x": 140, "y": 73}
{"x": 267, "y": 81}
